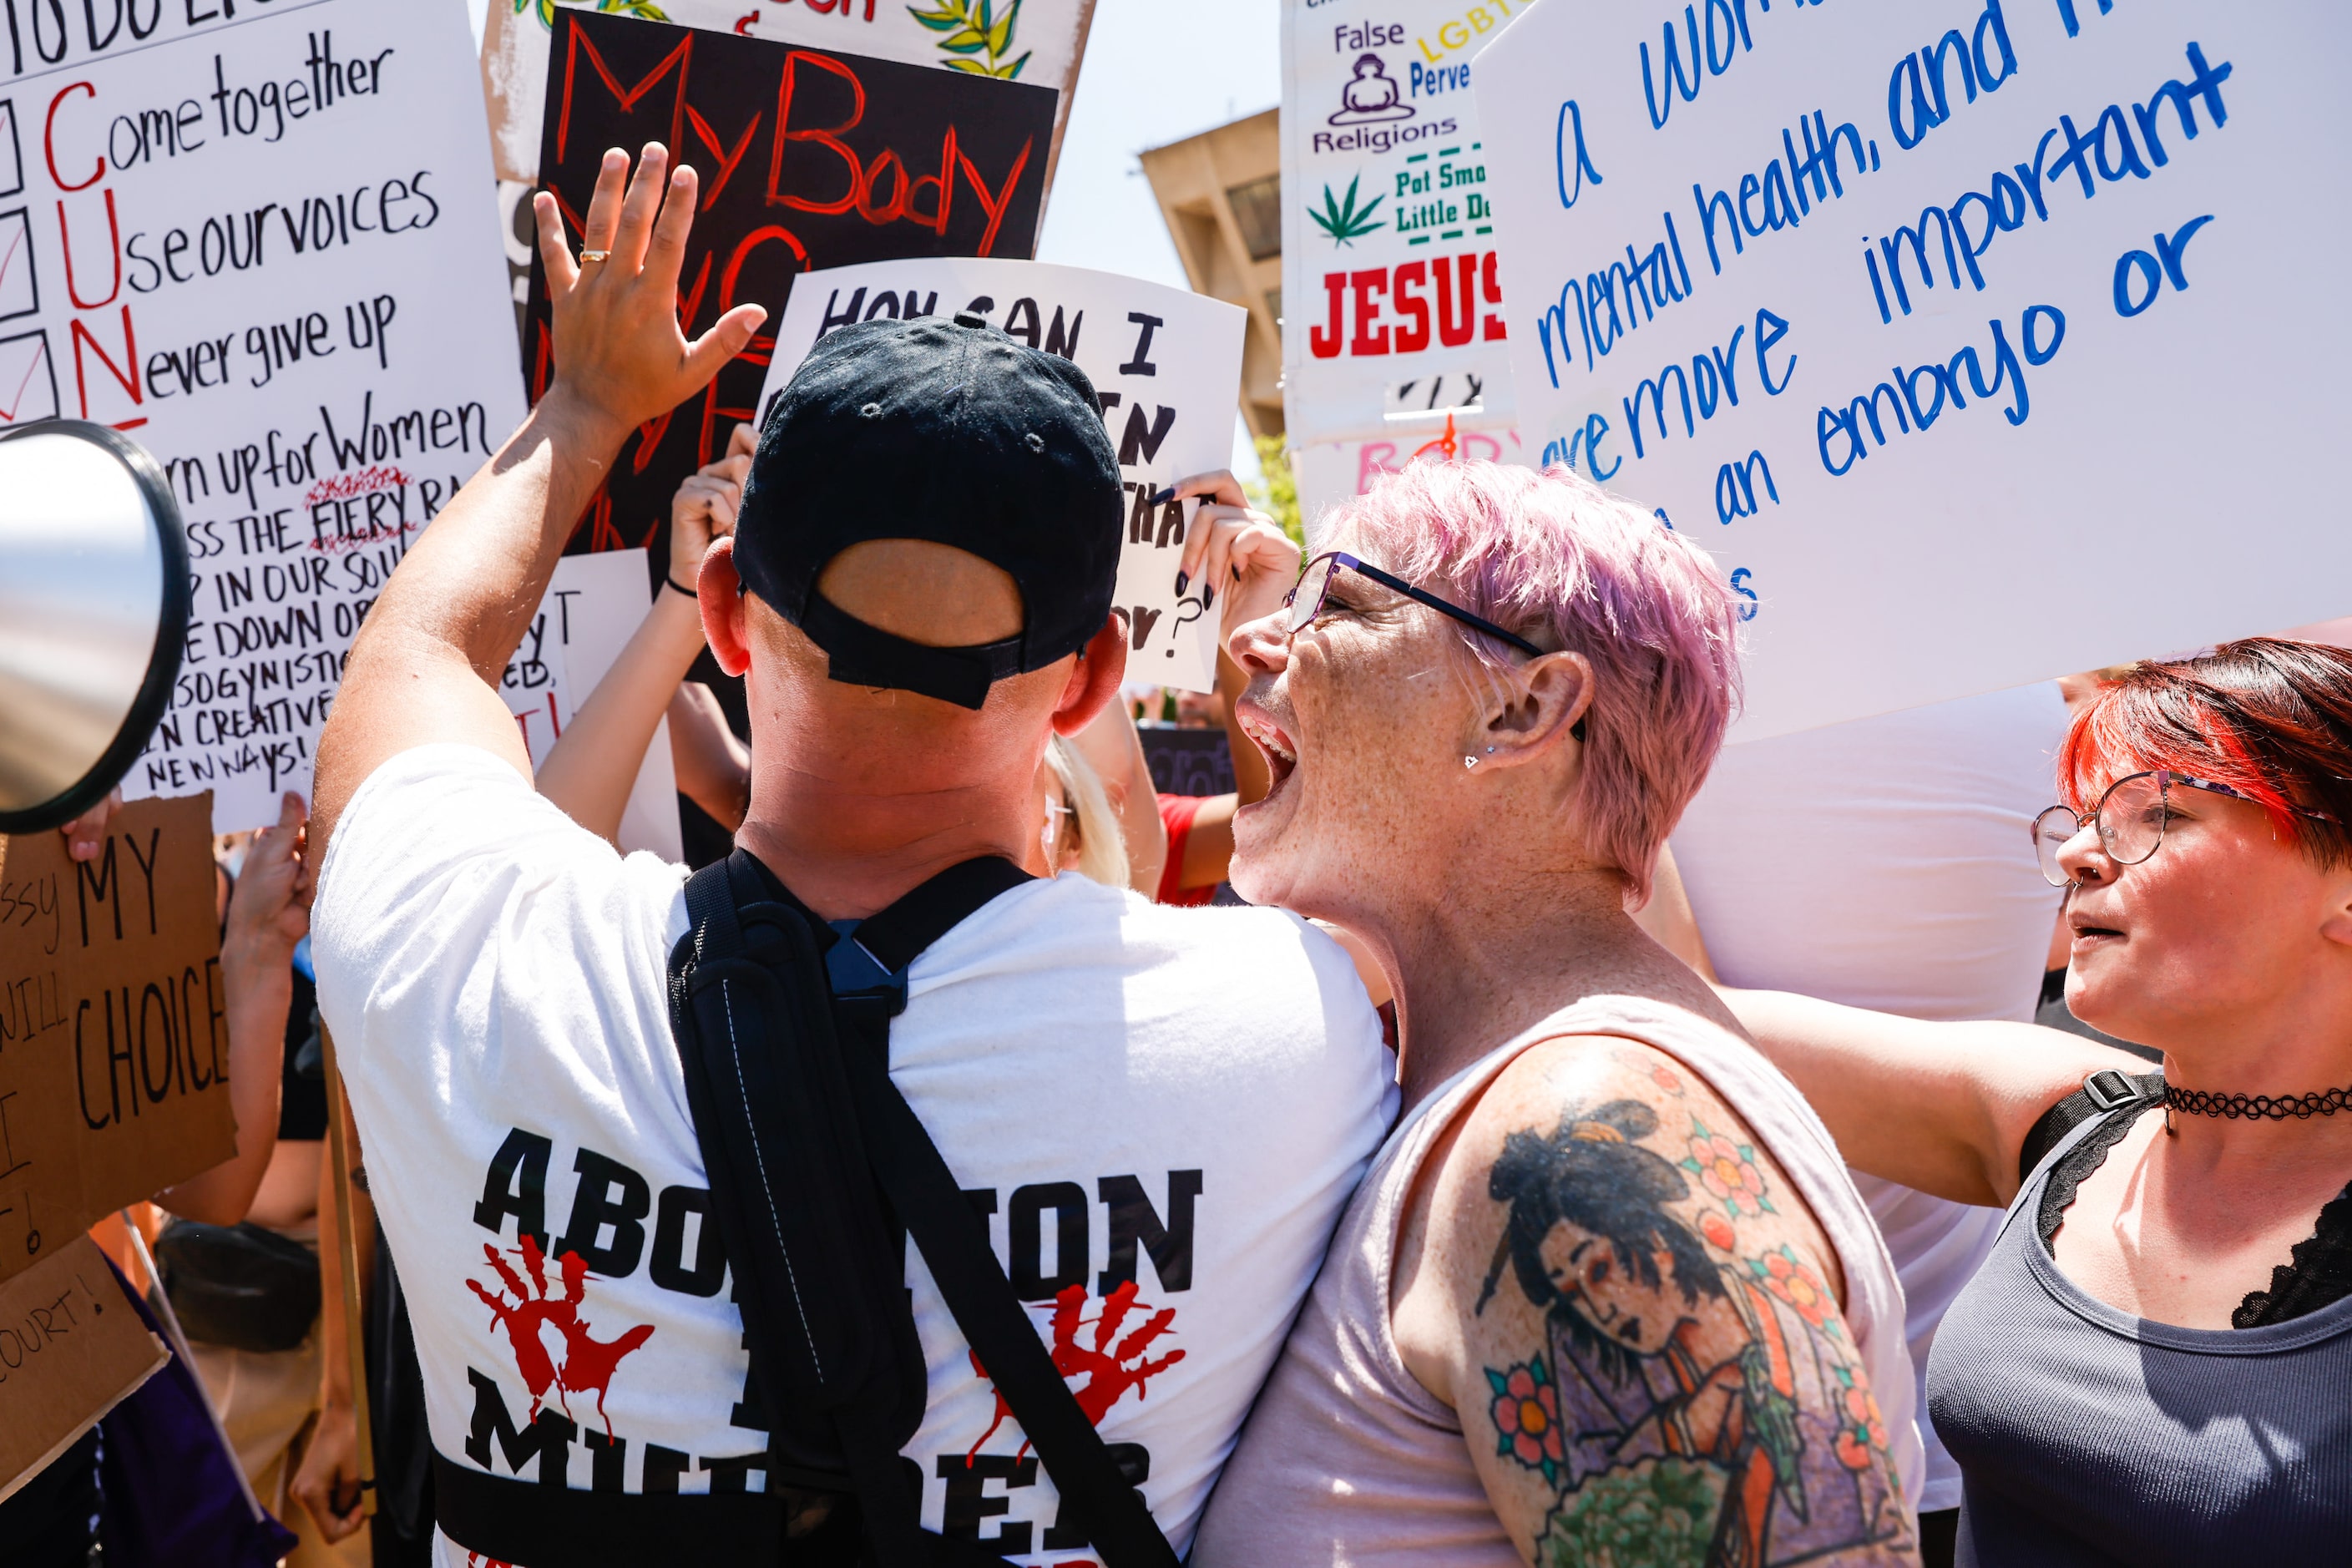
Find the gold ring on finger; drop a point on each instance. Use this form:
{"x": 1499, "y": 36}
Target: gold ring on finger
{"x": 587, "y": 255}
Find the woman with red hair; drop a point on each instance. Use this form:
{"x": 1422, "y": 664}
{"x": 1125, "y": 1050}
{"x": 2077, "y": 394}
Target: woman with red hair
{"x": 2154, "y": 1364}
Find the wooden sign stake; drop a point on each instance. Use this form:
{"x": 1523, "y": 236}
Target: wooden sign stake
{"x": 347, "y": 1261}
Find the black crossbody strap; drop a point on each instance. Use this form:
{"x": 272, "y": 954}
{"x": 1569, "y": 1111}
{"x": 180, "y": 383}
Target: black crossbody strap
{"x": 954, "y": 1244}
{"x": 897, "y": 936}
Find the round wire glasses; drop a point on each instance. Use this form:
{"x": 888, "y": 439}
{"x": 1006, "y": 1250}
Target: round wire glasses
{"x": 2130, "y": 815}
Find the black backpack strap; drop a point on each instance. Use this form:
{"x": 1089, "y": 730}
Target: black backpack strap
{"x": 2103, "y": 1091}
{"x": 953, "y": 1238}
{"x": 819, "y": 1275}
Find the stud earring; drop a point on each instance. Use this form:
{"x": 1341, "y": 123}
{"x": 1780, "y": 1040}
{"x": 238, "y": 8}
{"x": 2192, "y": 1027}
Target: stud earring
{"x": 1469, "y": 761}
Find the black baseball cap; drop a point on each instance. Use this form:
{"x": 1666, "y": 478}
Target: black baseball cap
{"x": 946, "y": 431}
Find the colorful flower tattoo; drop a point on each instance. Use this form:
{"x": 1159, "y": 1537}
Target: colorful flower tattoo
{"x": 1779, "y": 1272}
{"x": 1527, "y": 1415}
{"x": 1863, "y": 1439}
{"x": 1727, "y": 1171}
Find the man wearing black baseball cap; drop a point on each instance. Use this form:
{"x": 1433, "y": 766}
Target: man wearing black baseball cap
{"x": 1158, "y": 1112}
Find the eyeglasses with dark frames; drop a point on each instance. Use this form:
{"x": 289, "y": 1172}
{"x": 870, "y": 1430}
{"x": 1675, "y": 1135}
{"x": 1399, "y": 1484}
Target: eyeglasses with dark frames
{"x": 2130, "y": 815}
{"x": 1306, "y": 600}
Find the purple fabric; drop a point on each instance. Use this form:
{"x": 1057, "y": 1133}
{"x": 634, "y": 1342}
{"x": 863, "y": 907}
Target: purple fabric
{"x": 172, "y": 1496}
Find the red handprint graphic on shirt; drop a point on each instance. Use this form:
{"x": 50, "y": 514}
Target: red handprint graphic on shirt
{"x": 588, "y": 1363}
{"x": 1110, "y": 1370}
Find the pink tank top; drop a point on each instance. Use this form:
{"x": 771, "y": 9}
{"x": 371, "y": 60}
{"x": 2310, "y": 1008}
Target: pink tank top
{"x": 1348, "y": 1462}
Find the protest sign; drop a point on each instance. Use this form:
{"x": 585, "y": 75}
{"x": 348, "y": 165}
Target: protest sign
{"x": 1392, "y": 294}
{"x": 71, "y": 1349}
{"x": 260, "y": 242}
{"x": 807, "y": 160}
{"x": 591, "y": 609}
{"x": 1166, "y": 363}
{"x": 1037, "y": 42}
{"x": 113, "y": 1024}
{"x": 1959, "y": 332}
{"x": 1329, "y": 473}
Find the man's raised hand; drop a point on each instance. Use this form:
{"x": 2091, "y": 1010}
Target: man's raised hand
{"x": 621, "y": 358}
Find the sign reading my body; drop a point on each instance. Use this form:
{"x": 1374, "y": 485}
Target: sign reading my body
{"x": 807, "y": 160}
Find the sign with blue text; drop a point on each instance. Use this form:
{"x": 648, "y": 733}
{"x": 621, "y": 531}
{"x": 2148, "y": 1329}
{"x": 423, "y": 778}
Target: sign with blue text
{"x": 1973, "y": 337}
{"x": 1166, "y": 365}
{"x": 261, "y": 242}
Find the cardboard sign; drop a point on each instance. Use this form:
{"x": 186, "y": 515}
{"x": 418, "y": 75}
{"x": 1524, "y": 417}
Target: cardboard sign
{"x": 1393, "y": 289}
{"x": 591, "y": 609}
{"x": 1167, "y": 364}
{"x": 1037, "y": 42}
{"x": 113, "y": 1024}
{"x": 1952, "y": 329}
{"x": 71, "y": 1349}
{"x": 259, "y": 242}
{"x": 807, "y": 160}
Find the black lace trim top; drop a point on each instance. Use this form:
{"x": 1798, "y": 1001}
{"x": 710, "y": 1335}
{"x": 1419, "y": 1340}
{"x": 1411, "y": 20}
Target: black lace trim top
{"x": 2321, "y": 1269}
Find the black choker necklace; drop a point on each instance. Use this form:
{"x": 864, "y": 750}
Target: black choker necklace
{"x": 2198, "y": 1102}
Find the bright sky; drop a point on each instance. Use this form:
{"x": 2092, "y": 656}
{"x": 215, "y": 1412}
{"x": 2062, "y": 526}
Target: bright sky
{"x": 1155, "y": 72}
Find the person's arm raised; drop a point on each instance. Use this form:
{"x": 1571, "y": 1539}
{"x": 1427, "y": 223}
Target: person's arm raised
{"x": 1629, "y": 1308}
{"x": 1943, "y": 1108}
{"x": 425, "y": 666}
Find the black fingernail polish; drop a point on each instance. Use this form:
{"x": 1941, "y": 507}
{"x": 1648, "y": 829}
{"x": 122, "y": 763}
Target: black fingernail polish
{"x": 1208, "y": 597}
{"x": 1164, "y": 497}
{"x": 1183, "y": 580}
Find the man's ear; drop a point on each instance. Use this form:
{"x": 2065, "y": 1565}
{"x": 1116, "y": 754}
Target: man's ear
{"x": 1094, "y": 679}
{"x": 725, "y": 625}
{"x": 1533, "y": 709}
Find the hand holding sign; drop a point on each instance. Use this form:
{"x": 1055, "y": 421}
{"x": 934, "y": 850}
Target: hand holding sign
{"x": 704, "y": 508}
{"x": 619, "y": 356}
{"x": 1236, "y": 559}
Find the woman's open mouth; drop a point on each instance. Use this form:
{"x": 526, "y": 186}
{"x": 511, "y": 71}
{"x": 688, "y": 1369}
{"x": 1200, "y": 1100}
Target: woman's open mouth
{"x": 1281, "y": 754}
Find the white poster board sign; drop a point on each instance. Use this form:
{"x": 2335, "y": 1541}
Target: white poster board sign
{"x": 1166, "y": 363}
{"x": 1980, "y": 339}
{"x": 1329, "y": 473}
{"x": 1392, "y": 298}
{"x": 591, "y": 609}
{"x": 267, "y": 249}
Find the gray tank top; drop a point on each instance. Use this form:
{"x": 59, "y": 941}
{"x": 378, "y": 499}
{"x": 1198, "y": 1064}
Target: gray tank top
{"x": 2087, "y": 1436}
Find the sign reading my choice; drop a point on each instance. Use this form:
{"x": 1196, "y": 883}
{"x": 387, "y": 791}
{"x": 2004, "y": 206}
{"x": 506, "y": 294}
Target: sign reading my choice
{"x": 259, "y": 245}
{"x": 1166, "y": 363}
{"x": 113, "y": 1024}
{"x": 1392, "y": 292}
{"x": 1961, "y": 332}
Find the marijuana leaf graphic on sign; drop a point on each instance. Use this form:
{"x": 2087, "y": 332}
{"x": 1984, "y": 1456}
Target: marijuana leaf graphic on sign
{"x": 1343, "y": 221}
{"x": 974, "y": 28}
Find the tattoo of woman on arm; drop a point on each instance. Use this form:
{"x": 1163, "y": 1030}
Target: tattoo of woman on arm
{"x": 1696, "y": 1403}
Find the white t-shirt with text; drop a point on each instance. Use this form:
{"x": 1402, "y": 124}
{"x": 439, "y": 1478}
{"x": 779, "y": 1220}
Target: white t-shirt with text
{"x": 1169, "y": 1107}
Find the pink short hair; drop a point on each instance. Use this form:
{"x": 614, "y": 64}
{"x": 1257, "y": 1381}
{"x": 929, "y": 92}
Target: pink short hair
{"x": 1564, "y": 564}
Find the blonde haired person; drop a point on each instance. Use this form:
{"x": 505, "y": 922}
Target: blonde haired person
{"x": 1081, "y": 831}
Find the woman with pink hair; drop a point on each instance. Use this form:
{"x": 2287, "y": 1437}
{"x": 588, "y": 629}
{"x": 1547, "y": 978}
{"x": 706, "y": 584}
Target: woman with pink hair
{"x": 1607, "y": 1293}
